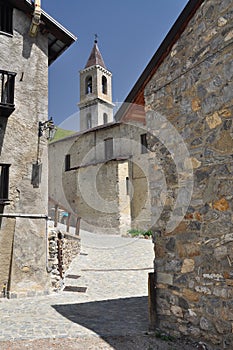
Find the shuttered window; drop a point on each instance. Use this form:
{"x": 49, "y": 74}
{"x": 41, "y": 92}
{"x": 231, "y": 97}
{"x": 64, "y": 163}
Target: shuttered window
{"x": 7, "y": 87}
{"x": 144, "y": 146}
{"x": 6, "y": 15}
{"x": 4, "y": 182}
{"x": 108, "y": 143}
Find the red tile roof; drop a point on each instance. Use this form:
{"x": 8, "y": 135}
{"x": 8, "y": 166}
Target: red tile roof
{"x": 95, "y": 58}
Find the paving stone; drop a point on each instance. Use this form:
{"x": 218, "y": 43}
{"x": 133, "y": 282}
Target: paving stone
{"x": 114, "y": 270}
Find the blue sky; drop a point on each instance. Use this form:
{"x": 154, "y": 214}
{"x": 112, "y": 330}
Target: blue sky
{"x": 129, "y": 33}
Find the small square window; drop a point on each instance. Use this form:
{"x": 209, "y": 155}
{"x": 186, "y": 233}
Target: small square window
{"x": 6, "y": 15}
{"x": 4, "y": 183}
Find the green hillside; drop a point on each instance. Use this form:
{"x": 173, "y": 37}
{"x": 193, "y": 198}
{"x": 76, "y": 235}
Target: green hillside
{"x": 61, "y": 133}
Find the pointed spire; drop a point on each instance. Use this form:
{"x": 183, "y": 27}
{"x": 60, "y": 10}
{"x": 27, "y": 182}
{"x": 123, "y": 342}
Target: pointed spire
{"x": 95, "y": 56}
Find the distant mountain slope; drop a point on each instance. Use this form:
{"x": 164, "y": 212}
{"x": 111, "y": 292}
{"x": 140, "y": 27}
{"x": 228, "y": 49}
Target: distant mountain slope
{"x": 61, "y": 133}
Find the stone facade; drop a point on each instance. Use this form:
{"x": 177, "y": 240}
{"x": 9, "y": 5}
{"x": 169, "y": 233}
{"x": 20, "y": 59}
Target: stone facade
{"x": 58, "y": 150}
{"x": 110, "y": 194}
{"x": 23, "y": 240}
{"x": 103, "y": 170}
{"x": 191, "y": 93}
{"x": 23, "y": 222}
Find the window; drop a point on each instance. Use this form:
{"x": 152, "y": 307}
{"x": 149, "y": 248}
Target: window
{"x": 108, "y": 145}
{"x": 144, "y": 146}
{"x": 127, "y": 185}
{"x": 4, "y": 182}
{"x": 7, "y": 87}
{"x": 67, "y": 162}
{"x": 104, "y": 85}
{"x": 105, "y": 118}
{"x": 36, "y": 175}
{"x": 89, "y": 121}
{"x": 6, "y": 15}
{"x": 88, "y": 87}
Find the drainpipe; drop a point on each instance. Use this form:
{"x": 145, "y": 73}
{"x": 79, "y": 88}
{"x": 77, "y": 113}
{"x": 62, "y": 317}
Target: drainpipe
{"x": 35, "y": 19}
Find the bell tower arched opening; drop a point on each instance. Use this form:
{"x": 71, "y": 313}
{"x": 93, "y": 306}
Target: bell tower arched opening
{"x": 88, "y": 85}
{"x": 104, "y": 85}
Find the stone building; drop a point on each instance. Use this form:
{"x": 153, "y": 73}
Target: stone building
{"x": 104, "y": 174}
{"x": 101, "y": 167}
{"x": 30, "y": 41}
{"x": 188, "y": 97}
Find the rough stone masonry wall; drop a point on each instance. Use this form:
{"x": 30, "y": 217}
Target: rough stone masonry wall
{"x": 23, "y": 240}
{"x": 69, "y": 246}
{"x": 193, "y": 90}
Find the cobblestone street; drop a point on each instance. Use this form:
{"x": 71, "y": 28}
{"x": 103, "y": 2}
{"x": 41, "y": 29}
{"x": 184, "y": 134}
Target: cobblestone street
{"x": 112, "y": 306}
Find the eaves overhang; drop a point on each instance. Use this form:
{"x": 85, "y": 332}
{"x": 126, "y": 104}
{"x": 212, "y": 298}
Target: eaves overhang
{"x": 59, "y": 38}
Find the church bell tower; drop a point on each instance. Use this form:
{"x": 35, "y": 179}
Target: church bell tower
{"x": 96, "y": 107}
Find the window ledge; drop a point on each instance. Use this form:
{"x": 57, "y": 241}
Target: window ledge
{"x": 6, "y": 34}
{"x": 6, "y": 110}
{"x": 5, "y": 201}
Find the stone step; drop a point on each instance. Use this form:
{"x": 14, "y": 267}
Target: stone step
{"x": 75, "y": 289}
{"x": 75, "y": 277}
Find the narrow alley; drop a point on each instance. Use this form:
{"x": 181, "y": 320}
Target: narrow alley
{"x": 104, "y": 300}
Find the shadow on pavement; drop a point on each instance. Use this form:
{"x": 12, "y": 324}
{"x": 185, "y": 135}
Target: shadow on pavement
{"x": 109, "y": 318}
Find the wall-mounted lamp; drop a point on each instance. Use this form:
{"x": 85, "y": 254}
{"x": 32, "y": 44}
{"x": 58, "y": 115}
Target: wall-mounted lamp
{"x": 35, "y": 19}
{"x": 37, "y": 166}
{"x": 47, "y": 125}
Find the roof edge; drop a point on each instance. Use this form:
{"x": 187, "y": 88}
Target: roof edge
{"x": 49, "y": 24}
{"x": 87, "y": 131}
{"x": 59, "y": 25}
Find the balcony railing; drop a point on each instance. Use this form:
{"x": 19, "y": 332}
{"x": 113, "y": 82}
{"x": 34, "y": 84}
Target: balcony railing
{"x": 7, "y": 89}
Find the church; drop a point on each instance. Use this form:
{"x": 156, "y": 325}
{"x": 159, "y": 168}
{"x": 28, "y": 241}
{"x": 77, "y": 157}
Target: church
{"x": 103, "y": 177}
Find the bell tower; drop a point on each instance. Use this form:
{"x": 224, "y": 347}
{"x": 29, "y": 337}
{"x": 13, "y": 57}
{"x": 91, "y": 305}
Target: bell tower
{"x": 96, "y": 107}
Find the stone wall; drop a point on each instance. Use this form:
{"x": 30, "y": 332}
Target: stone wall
{"x": 96, "y": 193}
{"x": 140, "y": 203}
{"x": 63, "y": 248}
{"x": 191, "y": 97}
{"x": 57, "y": 151}
{"x": 23, "y": 240}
